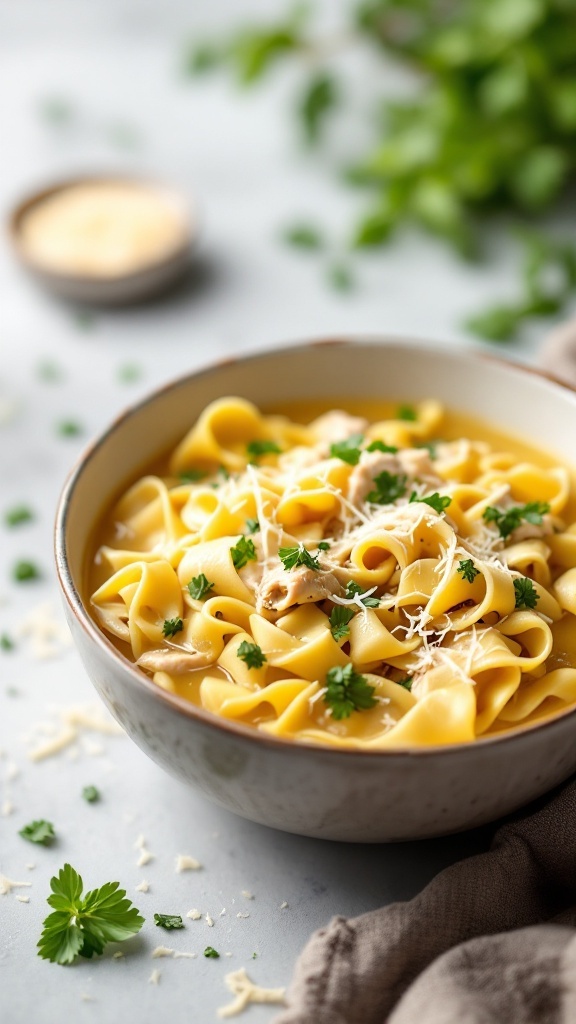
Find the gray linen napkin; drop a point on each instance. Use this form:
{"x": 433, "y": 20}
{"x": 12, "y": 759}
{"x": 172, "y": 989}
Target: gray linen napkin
{"x": 491, "y": 940}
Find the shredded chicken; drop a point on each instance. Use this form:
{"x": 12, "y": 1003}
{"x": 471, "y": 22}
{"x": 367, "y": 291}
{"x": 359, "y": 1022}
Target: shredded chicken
{"x": 337, "y": 426}
{"x": 281, "y": 589}
{"x": 175, "y": 662}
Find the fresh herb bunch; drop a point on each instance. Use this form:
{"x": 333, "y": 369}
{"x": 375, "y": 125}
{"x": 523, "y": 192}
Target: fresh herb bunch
{"x": 490, "y": 127}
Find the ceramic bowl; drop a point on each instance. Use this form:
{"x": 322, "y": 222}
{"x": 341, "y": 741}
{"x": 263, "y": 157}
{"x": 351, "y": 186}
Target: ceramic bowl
{"x": 358, "y": 796}
{"x": 120, "y": 289}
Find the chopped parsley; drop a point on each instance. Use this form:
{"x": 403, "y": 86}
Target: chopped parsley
{"x": 348, "y": 450}
{"x": 84, "y": 926}
{"x": 347, "y": 692}
{"x": 192, "y": 476}
{"x": 303, "y": 236}
{"x": 251, "y": 654}
{"x": 339, "y": 619}
{"x": 198, "y": 587}
{"x": 406, "y": 683}
{"x": 211, "y": 954}
{"x": 243, "y": 552}
{"x": 407, "y": 413}
{"x": 291, "y": 558}
{"x": 340, "y": 277}
{"x": 252, "y": 525}
{"x": 526, "y": 594}
{"x": 168, "y": 921}
{"x": 41, "y": 832}
{"x": 467, "y": 570}
{"x": 18, "y": 515}
{"x": 380, "y": 446}
{"x": 439, "y": 502}
{"x": 255, "y": 449}
{"x": 323, "y": 545}
{"x": 24, "y": 571}
{"x": 172, "y": 626}
{"x": 509, "y": 520}
{"x": 129, "y": 373}
{"x": 6, "y": 642}
{"x": 91, "y": 794}
{"x": 389, "y": 487}
{"x": 353, "y": 588}
{"x": 69, "y": 428}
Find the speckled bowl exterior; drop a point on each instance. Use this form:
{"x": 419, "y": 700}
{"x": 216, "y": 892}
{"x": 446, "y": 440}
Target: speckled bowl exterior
{"x": 357, "y": 796}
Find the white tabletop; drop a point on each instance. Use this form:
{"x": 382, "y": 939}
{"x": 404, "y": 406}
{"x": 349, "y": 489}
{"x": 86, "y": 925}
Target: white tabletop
{"x": 118, "y": 64}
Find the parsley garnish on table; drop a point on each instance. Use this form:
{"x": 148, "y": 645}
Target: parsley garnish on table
{"x": 526, "y": 594}
{"x": 18, "y": 515}
{"x": 510, "y": 519}
{"x": 346, "y": 691}
{"x": 291, "y": 558}
{"x": 243, "y": 552}
{"x": 41, "y": 832}
{"x": 199, "y": 587}
{"x": 84, "y": 925}
{"x": 168, "y": 921}
{"x": 211, "y": 954}
{"x": 388, "y": 487}
{"x": 91, "y": 794}
{"x": 25, "y": 571}
{"x": 339, "y": 619}
{"x": 251, "y": 654}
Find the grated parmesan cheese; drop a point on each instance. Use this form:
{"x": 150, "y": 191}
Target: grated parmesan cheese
{"x": 7, "y": 884}
{"x": 209, "y": 921}
{"x": 186, "y": 863}
{"x": 161, "y": 951}
{"x": 143, "y": 886}
{"x": 195, "y": 915}
{"x": 22, "y": 899}
{"x": 245, "y": 992}
{"x": 155, "y": 977}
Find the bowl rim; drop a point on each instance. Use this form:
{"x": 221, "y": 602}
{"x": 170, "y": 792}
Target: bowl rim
{"x": 233, "y": 728}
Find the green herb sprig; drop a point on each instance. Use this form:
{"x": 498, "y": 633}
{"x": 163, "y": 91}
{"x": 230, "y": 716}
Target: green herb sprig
{"x": 243, "y": 552}
{"x": 347, "y": 691}
{"x": 251, "y": 654}
{"x": 199, "y": 587}
{"x": 508, "y": 520}
{"x": 291, "y": 558}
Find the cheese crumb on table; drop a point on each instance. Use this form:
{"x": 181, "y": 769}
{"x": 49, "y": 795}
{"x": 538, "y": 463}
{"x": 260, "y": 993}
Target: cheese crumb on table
{"x": 209, "y": 921}
{"x": 186, "y": 863}
{"x": 22, "y": 899}
{"x": 247, "y": 992}
{"x": 283, "y": 906}
{"x": 162, "y": 951}
{"x": 247, "y": 895}
{"x": 195, "y": 915}
{"x": 143, "y": 886}
{"x": 7, "y": 884}
{"x": 154, "y": 977}
{"x": 145, "y": 855}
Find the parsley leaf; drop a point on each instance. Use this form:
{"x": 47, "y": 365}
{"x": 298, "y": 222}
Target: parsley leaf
{"x": 85, "y": 925}
{"x": 353, "y": 588}
{"x": 323, "y": 545}
{"x": 168, "y": 921}
{"x": 257, "y": 448}
{"x": 91, "y": 794}
{"x": 18, "y": 515}
{"x": 172, "y": 626}
{"x": 406, "y": 682}
{"x": 380, "y": 446}
{"x": 198, "y": 587}
{"x": 24, "y": 571}
{"x": 243, "y": 552}
{"x": 69, "y": 428}
{"x": 252, "y": 525}
{"x": 348, "y": 450}
{"x": 251, "y": 654}
{"x": 347, "y": 692}
{"x": 407, "y": 413}
{"x": 526, "y": 594}
{"x": 320, "y": 98}
{"x": 40, "y": 831}
{"x": 511, "y": 519}
{"x": 291, "y": 558}
{"x": 6, "y": 642}
{"x": 439, "y": 502}
{"x": 339, "y": 619}
{"x": 192, "y": 476}
{"x": 303, "y": 236}
{"x": 340, "y": 277}
{"x": 211, "y": 953}
{"x": 389, "y": 487}
{"x": 468, "y": 570}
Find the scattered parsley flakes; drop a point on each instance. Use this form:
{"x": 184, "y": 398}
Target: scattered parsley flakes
{"x": 252, "y": 525}
{"x": 91, "y": 794}
{"x": 353, "y": 588}
{"x": 251, "y": 654}
{"x": 172, "y": 626}
{"x": 439, "y": 502}
{"x": 6, "y": 642}
{"x": 467, "y": 570}
{"x": 243, "y": 552}
{"x": 407, "y": 413}
{"x": 84, "y": 926}
{"x": 17, "y": 515}
{"x": 340, "y": 277}
{"x": 389, "y": 487}
{"x": 347, "y": 692}
{"x": 168, "y": 921}
{"x": 129, "y": 373}
{"x": 24, "y": 571}
{"x": 84, "y": 319}
{"x": 339, "y": 619}
{"x": 49, "y": 371}
{"x": 198, "y": 587}
{"x": 509, "y": 520}
{"x": 348, "y": 450}
{"x": 41, "y": 832}
{"x": 406, "y": 683}
{"x": 380, "y": 446}
{"x": 526, "y": 594}
{"x": 303, "y": 236}
{"x": 257, "y": 448}
{"x": 192, "y": 476}
{"x": 69, "y": 428}
{"x": 291, "y": 558}
{"x": 211, "y": 954}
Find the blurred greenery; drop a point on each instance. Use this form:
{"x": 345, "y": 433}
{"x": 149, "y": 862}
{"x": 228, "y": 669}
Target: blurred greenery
{"x": 492, "y": 128}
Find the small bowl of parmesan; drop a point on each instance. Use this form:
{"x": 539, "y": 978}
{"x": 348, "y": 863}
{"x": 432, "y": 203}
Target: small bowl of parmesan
{"x": 104, "y": 240}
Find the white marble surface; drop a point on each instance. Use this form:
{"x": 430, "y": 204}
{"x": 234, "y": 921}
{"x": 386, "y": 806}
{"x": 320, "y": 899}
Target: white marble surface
{"x": 118, "y": 64}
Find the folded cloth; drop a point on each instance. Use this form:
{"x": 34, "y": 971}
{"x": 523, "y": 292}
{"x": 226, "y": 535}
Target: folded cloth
{"x": 491, "y": 940}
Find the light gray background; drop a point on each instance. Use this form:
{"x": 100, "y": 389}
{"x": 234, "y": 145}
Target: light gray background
{"x": 119, "y": 63}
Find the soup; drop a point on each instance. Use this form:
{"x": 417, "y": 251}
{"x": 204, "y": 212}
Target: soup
{"x": 384, "y": 577}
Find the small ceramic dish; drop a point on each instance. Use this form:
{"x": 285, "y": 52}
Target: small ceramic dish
{"x": 353, "y": 795}
{"x": 146, "y": 279}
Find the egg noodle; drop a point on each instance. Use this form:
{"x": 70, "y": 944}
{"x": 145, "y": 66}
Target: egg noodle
{"x": 348, "y": 583}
